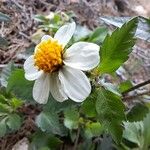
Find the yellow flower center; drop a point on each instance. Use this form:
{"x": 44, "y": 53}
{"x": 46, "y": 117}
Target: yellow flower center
{"x": 48, "y": 55}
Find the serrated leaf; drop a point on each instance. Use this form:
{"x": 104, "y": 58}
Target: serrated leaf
{"x": 98, "y": 35}
{"x": 3, "y": 99}
{"x": 138, "y": 132}
{"x": 55, "y": 106}
{"x": 143, "y": 28}
{"x": 5, "y": 108}
{"x": 49, "y": 121}
{"x": 146, "y": 123}
{"x": 4, "y": 17}
{"x": 71, "y": 119}
{"x": 43, "y": 140}
{"x": 134, "y": 132}
{"x": 88, "y": 106}
{"x": 54, "y": 142}
{"x": 14, "y": 121}
{"x": 137, "y": 113}
{"x": 116, "y": 47}
{"x": 7, "y": 95}
{"x": 111, "y": 112}
{"x": 21, "y": 87}
{"x": 5, "y": 74}
{"x": 3, "y": 128}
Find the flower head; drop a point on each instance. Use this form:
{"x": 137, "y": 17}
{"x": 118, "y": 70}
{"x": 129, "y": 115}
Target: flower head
{"x": 60, "y": 71}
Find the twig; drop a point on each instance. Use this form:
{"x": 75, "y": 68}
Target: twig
{"x": 17, "y": 4}
{"x": 77, "y": 138}
{"x": 134, "y": 96}
{"x": 4, "y": 65}
{"x": 136, "y": 87}
{"x": 24, "y": 35}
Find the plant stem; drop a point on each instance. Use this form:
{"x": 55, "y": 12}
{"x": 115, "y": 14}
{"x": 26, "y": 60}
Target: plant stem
{"x": 77, "y": 138}
{"x": 136, "y": 87}
{"x": 134, "y": 96}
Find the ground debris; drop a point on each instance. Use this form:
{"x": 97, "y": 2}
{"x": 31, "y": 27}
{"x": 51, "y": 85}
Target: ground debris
{"x": 21, "y": 145}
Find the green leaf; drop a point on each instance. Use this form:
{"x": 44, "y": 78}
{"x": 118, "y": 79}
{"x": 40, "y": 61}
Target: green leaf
{"x": 19, "y": 85}
{"x": 98, "y": 35}
{"x": 125, "y": 86}
{"x": 81, "y": 33}
{"x": 116, "y": 48}
{"x": 71, "y": 119}
{"x": 5, "y": 74}
{"x": 88, "y": 106}
{"x": 3, "y": 99}
{"x": 55, "y": 106}
{"x": 42, "y": 140}
{"x": 106, "y": 143}
{"x": 87, "y": 145}
{"x": 4, "y": 17}
{"x": 138, "y": 132}
{"x": 44, "y": 148}
{"x": 14, "y": 121}
{"x": 5, "y": 108}
{"x": 111, "y": 112}
{"x": 134, "y": 132}
{"x": 3, "y": 43}
{"x": 3, "y": 114}
{"x": 143, "y": 25}
{"x": 93, "y": 129}
{"x": 49, "y": 121}
{"x": 54, "y": 142}
{"x": 137, "y": 113}
{"x": 16, "y": 103}
{"x": 57, "y": 18}
{"x": 146, "y": 131}
{"x": 41, "y": 18}
{"x": 3, "y": 128}
{"x": 6, "y": 95}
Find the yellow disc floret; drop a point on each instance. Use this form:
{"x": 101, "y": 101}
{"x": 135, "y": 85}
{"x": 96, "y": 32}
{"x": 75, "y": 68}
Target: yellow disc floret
{"x": 48, "y": 55}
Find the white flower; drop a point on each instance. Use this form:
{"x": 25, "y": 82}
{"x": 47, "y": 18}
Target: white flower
{"x": 58, "y": 71}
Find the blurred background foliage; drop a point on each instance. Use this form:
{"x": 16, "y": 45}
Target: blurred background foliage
{"x": 111, "y": 117}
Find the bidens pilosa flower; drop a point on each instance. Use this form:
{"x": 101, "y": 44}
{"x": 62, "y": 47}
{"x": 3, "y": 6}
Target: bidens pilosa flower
{"x": 57, "y": 70}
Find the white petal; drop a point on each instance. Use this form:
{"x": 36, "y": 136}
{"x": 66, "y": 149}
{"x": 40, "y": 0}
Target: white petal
{"x": 64, "y": 34}
{"x": 82, "y": 55}
{"x": 46, "y": 37}
{"x": 75, "y": 83}
{"x": 56, "y": 88}
{"x": 31, "y": 72}
{"x": 41, "y": 89}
